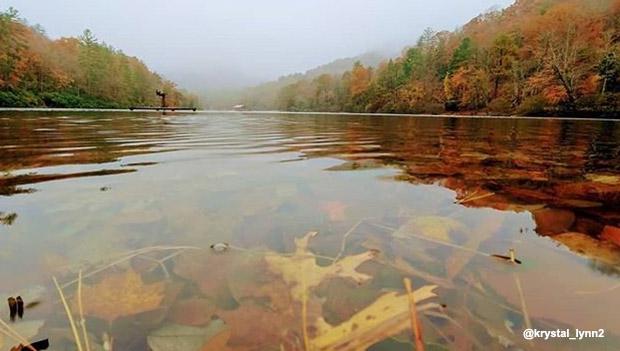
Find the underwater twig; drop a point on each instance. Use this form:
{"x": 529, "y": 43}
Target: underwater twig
{"x": 457, "y": 324}
{"x": 343, "y": 245}
{"x": 505, "y": 307}
{"x": 76, "y": 336}
{"x": 383, "y": 226}
{"x": 455, "y": 246}
{"x": 403, "y": 266}
{"x": 440, "y": 332}
{"x": 81, "y": 310}
{"x": 440, "y": 242}
{"x": 129, "y": 256}
{"x": 13, "y": 334}
{"x": 584, "y": 292}
{"x": 415, "y": 323}
{"x": 293, "y": 254}
{"x": 160, "y": 263}
{"x": 526, "y": 316}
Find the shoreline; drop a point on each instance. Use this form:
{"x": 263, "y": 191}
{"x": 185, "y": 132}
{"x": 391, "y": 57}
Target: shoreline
{"x": 260, "y": 112}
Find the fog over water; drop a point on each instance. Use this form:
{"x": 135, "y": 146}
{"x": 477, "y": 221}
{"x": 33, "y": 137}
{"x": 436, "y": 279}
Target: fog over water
{"x": 226, "y": 44}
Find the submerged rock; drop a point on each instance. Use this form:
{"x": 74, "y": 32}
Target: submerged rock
{"x": 220, "y": 247}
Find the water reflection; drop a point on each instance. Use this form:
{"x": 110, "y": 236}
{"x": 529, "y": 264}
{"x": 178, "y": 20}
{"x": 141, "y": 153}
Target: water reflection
{"x": 139, "y": 199}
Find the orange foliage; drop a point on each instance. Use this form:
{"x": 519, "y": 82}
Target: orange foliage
{"x": 360, "y": 79}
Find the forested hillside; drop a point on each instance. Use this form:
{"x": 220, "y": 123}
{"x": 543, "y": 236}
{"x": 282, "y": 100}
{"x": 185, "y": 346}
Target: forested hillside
{"x": 83, "y": 72}
{"x": 535, "y": 57}
{"x": 265, "y": 96}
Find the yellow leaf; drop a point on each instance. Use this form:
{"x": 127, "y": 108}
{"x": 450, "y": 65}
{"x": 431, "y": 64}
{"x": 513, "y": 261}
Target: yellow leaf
{"x": 300, "y": 270}
{"x": 386, "y": 317}
{"x": 121, "y": 294}
{"x": 432, "y": 226}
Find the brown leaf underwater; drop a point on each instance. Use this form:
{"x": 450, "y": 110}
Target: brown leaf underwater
{"x": 121, "y": 294}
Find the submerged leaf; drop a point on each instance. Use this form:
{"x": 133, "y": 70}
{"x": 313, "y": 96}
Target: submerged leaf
{"x": 301, "y": 270}
{"x": 174, "y": 337}
{"x": 218, "y": 343}
{"x": 435, "y": 227}
{"x": 387, "y": 316}
{"x": 121, "y": 294}
{"x": 256, "y": 327}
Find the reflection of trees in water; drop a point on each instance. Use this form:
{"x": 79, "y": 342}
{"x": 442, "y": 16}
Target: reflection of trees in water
{"x": 30, "y": 140}
{"x": 49, "y": 139}
{"x": 14, "y": 190}
{"x": 7, "y": 219}
{"x": 603, "y": 150}
{"x": 526, "y": 164}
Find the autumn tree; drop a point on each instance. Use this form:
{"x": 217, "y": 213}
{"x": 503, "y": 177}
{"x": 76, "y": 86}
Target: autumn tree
{"x": 567, "y": 41}
{"x": 609, "y": 70}
{"x": 502, "y": 56}
{"x": 534, "y": 57}
{"x": 468, "y": 87}
{"x": 11, "y": 48}
{"x": 72, "y": 72}
{"x": 360, "y": 79}
{"x": 462, "y": 55}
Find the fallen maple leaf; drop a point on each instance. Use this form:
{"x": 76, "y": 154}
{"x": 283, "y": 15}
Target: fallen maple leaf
{"x": 121, "y": 294}
{"x": 301, "y": 271}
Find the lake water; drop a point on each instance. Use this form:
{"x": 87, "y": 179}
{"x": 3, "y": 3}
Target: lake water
{"x": 134, "y": 201}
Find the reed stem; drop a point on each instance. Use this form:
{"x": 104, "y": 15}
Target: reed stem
{"x": 76, "y": 336}
{"x": 415, "y": 322}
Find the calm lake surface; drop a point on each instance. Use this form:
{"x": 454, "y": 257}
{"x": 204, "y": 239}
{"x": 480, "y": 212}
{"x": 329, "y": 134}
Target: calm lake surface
{"x": 134, "y": 201}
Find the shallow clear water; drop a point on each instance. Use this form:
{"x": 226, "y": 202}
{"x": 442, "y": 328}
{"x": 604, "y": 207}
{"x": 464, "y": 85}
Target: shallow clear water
{"x": 424, "y": 198}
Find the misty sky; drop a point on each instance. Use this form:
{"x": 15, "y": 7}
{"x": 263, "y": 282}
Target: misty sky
{"x": 228, "y": 43}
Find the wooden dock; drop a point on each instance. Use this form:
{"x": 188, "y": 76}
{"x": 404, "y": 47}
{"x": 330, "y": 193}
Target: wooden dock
{"x": 164, "y": 107}
{"x": 156, "y": 108}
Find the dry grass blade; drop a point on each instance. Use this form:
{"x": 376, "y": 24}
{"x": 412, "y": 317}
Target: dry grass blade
{"x": 81, "y": 310}
{"x": 526, "y": 316}
{"x": 415, "y": 322}
{"x": 343, "y": 246}
{"x": 13, "y": 334}
{"x": 76, "y": 336}
{"x": 612, "y": 288}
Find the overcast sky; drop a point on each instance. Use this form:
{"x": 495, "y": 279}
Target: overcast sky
{"x": 232, "y": 42}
